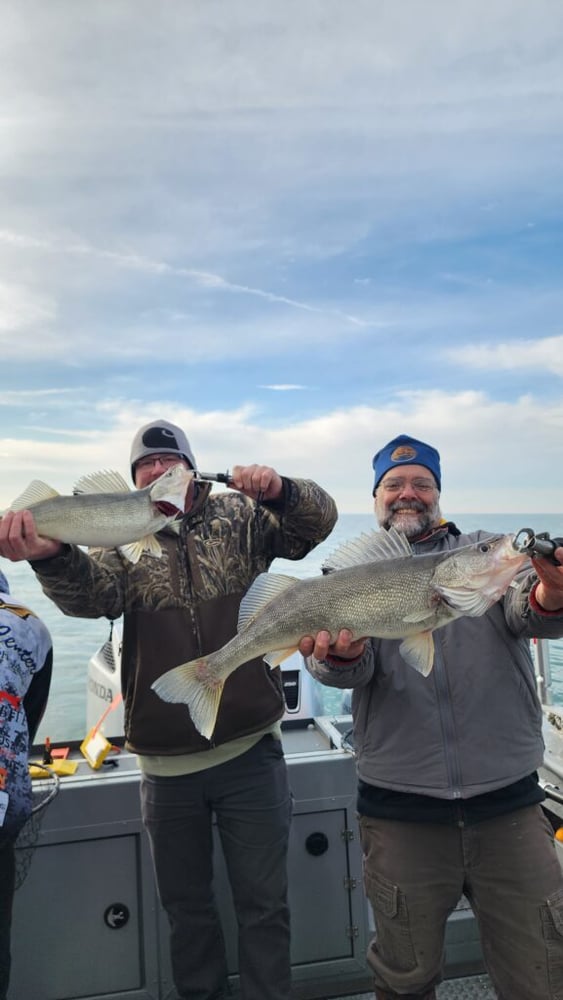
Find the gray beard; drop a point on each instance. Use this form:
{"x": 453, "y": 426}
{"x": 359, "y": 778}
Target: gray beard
{"x": 414, "y": 524}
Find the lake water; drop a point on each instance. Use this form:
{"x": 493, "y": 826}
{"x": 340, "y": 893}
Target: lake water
{"x": 76, "y": 639}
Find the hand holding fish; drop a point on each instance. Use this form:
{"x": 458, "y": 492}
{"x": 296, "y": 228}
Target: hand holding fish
{"x": 345, "y": 646}
{"x": 256, "y": 481}
{"x": 19, "y": 539}
{"x": 549, "y": 592}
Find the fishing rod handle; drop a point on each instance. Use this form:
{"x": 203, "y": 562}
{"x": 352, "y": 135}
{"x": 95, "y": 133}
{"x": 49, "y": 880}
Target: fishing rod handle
{"x": 539, "y": 544}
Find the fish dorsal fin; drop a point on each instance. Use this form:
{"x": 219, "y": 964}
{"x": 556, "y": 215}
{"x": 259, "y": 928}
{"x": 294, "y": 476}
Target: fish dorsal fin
{"x": 371, "y": 546}
{"x": 33, "y": 494}
{"x": 105, "y": 481}
{"x": 263, "y": 590}
{"x": 467, "y": 602}
{"x": 418, "y": 651}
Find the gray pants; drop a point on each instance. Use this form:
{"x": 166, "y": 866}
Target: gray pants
{"x": 250, "y": 799}
{"x": 507, "y": 867}
{"x": 7, "y": 889}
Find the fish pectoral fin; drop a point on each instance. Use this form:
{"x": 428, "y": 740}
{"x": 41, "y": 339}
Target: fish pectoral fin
{"x": 134, "y": 550}
{"x": 182, "y": 685}
{"x": 467, "y": 602}
{"x": 277, "y": 656}
{"x": 105, "y": 481}
{"x": 372, "y": 546}
{"x": 33, "y": 494}
{"x": 418, "y": 651}
{"x": 265, "y": 588}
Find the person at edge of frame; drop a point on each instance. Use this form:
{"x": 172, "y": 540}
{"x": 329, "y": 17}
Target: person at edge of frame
{"x": 26, "y": 662}
{"x": 176, "y": 608}
{"x": 448, "y": 793}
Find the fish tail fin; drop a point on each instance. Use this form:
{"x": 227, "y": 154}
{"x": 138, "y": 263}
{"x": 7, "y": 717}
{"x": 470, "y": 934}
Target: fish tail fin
{"x": 183, "y": 685}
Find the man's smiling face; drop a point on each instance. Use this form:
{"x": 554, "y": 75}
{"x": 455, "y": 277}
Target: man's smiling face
{"x": 407, "y": 499}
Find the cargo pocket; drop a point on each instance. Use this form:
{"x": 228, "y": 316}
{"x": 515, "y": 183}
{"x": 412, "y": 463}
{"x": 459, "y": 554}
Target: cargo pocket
{"x": 552, "y": 923}
{"x": 393, "y": 940}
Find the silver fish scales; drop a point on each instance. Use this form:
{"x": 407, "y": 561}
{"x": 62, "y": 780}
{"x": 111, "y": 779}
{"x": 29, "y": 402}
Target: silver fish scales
{"x": 376, "y": 586}
{"x": 104, "y": 512}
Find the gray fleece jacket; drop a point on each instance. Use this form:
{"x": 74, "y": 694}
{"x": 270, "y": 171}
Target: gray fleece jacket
{"x": 475, "y": 723}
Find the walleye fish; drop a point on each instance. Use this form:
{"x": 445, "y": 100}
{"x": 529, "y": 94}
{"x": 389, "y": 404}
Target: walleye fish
{"x": 104, "y": 512}
{"x": 375, "y": 586}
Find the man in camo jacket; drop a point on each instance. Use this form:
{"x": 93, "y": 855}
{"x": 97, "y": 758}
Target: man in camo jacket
{"x": 174, "y": 609}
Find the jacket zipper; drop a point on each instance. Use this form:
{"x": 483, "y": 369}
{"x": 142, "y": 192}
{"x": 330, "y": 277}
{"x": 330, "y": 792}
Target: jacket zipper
{"x": 447, "y": 722}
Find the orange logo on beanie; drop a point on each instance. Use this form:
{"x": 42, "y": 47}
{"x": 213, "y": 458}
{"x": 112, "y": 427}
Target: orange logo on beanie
{"x": 404, "y": 453}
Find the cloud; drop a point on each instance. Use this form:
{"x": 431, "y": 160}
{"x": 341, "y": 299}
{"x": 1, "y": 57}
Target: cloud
{"x": 28, "y": 397}
{"x": 283, "y": 388}
{"x": 484, "y": 467}
{"x": 542, "y": 355}
{"x": 144, "y": 265}
{"x": 21, "y": 308}
{"x": 343, "y": 191}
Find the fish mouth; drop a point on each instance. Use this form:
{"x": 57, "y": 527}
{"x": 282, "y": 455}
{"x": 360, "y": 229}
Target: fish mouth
{"x": 168, "y": 509}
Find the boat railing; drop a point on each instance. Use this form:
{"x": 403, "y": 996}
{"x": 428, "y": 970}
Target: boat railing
{"x": 542, "y": 661}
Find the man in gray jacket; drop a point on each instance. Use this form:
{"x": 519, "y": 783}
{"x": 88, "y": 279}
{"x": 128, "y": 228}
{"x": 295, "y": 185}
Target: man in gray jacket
{"x": 448, "y": 795}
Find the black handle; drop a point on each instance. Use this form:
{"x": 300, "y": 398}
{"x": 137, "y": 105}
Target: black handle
{"x": 539, "y": 544}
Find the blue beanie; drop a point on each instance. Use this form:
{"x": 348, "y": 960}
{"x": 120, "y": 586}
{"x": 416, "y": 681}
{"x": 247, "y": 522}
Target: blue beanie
{"x": 404, "y": 450}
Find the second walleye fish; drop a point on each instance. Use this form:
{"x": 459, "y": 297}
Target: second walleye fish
{"x": 104, "y": 512}
{"x": 378, "y": 587}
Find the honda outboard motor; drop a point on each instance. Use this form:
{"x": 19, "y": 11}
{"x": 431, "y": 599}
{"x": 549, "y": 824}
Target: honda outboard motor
{"x": 303, "y": 695}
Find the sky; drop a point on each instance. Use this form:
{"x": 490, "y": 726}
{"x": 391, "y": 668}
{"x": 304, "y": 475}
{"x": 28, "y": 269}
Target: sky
{"x": 296, "y": 228}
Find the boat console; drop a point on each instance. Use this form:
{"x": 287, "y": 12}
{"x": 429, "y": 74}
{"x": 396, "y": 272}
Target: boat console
{"x": 88, "y": 911}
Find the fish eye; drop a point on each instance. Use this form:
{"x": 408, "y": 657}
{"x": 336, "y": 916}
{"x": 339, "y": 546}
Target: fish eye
{"x": 484, "y": 547}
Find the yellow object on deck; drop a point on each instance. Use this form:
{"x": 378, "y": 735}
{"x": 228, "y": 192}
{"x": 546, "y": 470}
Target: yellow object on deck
{"x": 60, "y": 767}
{"x": 95, "y": 748}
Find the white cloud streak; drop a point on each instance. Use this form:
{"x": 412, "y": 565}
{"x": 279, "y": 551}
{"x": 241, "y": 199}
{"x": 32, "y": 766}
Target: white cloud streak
{"x": 288, "y": 387}
{"x": 205, "y": 280}
{"x": 545, "y": 354}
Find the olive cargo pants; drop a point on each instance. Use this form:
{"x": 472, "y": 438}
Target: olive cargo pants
{"x": 415, "y": 873}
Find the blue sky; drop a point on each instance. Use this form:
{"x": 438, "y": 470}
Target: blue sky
{"x": 297, "y": 229}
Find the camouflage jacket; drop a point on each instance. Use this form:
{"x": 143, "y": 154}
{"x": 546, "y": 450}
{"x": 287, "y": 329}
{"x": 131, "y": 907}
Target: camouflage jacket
{"x": 186, "y": 603}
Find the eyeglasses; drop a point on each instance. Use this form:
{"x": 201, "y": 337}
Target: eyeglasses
{"x": 166, "y": 461}
{"x": 418, "y": 485}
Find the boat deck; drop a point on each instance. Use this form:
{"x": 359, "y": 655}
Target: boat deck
{"x": 468, "y": 988}
{"x": 91, "y": 845}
